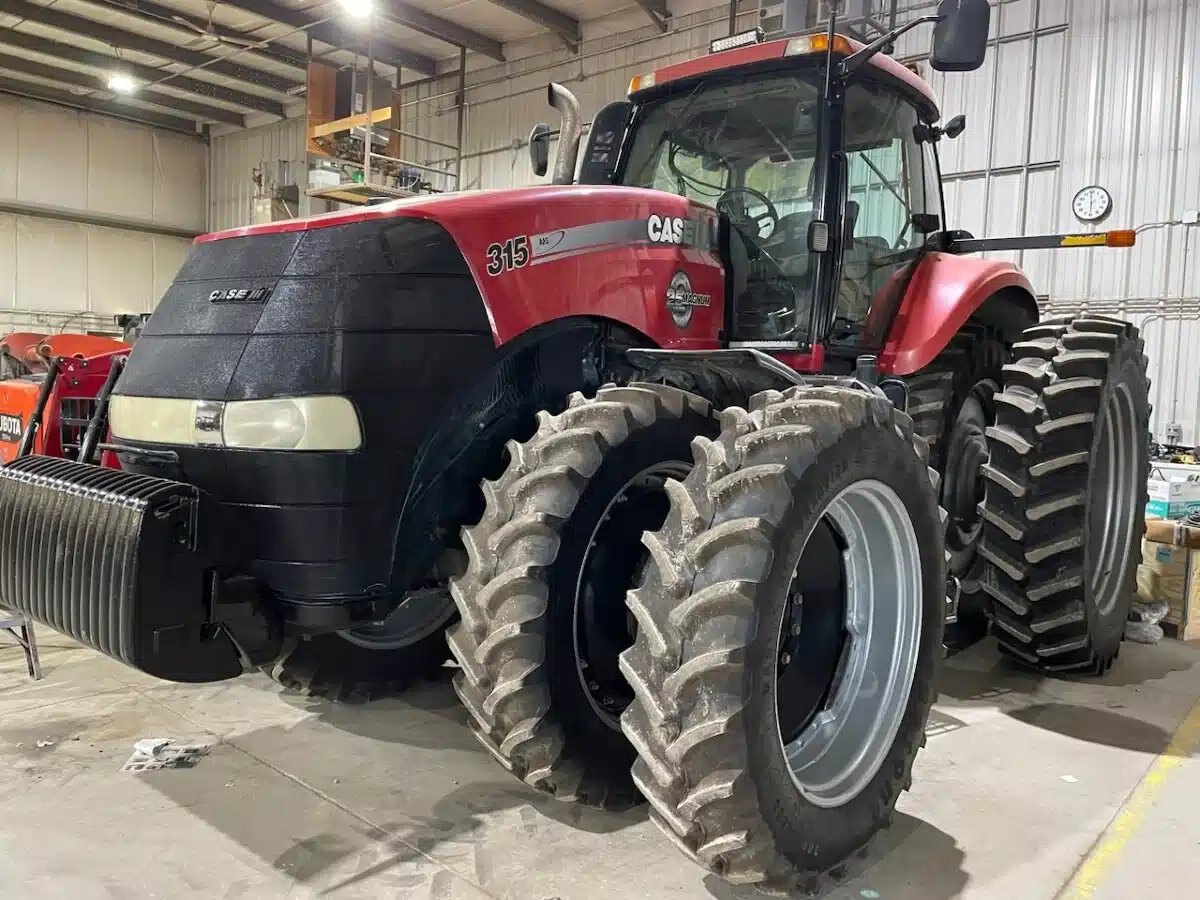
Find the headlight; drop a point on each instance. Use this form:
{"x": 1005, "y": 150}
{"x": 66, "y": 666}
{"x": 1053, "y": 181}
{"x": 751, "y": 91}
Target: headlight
{"x": 284, "y": 423}
{"x": 299, "y": 423}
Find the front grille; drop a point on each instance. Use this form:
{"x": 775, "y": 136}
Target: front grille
{"x": 74, "y": 415}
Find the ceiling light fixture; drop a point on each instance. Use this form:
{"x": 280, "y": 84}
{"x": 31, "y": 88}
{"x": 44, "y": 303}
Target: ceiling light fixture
{"x": 122, "y": 83}
{"x": 359, "y": 9}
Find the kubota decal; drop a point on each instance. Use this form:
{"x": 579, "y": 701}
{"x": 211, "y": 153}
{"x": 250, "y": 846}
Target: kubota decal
{"x": 11, "y": 428}
{"x": 509, "y": 255}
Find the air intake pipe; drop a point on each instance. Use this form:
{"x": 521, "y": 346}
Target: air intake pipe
{"x": 570, "y": 133}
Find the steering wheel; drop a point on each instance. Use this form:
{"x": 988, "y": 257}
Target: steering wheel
{"x": 737, "y": 211}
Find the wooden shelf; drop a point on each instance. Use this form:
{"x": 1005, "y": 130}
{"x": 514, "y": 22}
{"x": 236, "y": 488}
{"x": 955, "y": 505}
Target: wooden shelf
{"x": 358, "y": 193}
{"x": 383, "y": 114}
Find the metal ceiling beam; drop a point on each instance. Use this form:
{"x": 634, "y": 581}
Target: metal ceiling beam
{"x": 96, "y": 82}
{"x": 335, "y": 36}
{"x": 116, "y": 111}
{"x": 90, "y": 28}
{"x": 443, "y": 30}
{"x": 157, "y": 14}
{"x": 14, "y": 38}
{"x": 560, "y": 24}
{"x": 657, "y": 11}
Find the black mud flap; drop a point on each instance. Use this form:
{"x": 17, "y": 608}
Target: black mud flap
{"x": 124, "y": 563}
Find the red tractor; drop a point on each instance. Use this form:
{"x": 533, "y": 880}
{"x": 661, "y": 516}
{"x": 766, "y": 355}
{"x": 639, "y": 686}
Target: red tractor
{"x": 695, "y": 459}
{"x": 51, "y": 387}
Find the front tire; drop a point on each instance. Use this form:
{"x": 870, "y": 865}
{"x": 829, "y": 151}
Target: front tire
{"x": 373, "y": 661}
{"x": 549, "y": 564}
{"x": 750, "y": 771}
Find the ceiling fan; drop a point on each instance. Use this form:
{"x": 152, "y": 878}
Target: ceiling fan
{"x": 209, "y": 34}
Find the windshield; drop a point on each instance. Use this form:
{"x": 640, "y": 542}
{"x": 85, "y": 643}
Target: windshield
{"x": 759, "y": 133}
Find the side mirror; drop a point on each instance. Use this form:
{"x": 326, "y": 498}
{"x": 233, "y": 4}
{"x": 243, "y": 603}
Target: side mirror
{"x": 926, "y": 223}
{"x": 604, "y": 142}
{"x": 955, "y": 127}
{"x": 960, "y": 37}
{"x": 539, "y": 148}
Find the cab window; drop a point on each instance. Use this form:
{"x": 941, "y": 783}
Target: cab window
{"x": 889, "y": 193}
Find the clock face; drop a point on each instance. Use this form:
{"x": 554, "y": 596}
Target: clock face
{"x": 1092, "y": 204}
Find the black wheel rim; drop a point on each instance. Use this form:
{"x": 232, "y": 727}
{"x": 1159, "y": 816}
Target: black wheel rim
{"x": 613, "y": 563}
{"x": 813, "y": 636}
{"x": 963, "y": 487}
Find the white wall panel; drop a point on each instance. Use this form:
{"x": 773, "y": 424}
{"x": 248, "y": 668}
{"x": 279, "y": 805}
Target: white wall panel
{"x": 52, "y": 156}
{"x": 1048, "y": 99}
{"x": 61, "y": 274}
{"x": 52, "y": 267}
{"x": 52, "y": 152}
{"x": 8, "y": 261}
{"x": 120, "y": 270}
{"x": 1014, "y": 63}
{"x": 233, "y": 159}
{"x": 120, "y": 169}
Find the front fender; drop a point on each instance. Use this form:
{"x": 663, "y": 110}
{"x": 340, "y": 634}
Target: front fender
{"x": 944, "y": 292}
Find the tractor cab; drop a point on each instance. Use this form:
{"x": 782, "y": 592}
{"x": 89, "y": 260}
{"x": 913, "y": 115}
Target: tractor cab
{"x": 820, "y": 155}
{"x": 755, "y": 149}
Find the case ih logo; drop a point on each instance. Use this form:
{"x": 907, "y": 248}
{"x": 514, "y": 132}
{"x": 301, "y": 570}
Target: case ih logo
{"x": 11, "y": 428}
{"x": 682, "y": 300}
{"x": 240, "y": 295}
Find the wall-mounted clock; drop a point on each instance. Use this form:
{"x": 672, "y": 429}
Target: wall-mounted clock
{"x": 1092, "y": 204}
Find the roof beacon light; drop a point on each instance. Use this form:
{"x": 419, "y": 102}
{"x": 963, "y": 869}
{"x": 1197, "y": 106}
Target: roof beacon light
{"x": 817, "y": 43}
{"x": 743, "y": 39}
{"x": 641, "y": 82}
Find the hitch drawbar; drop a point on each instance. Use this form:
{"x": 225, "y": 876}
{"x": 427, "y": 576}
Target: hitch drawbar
{"x": 130, "y": 565}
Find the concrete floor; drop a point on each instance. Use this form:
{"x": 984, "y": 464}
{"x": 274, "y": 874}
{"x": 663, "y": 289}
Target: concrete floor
{"x": 297, "y": 798}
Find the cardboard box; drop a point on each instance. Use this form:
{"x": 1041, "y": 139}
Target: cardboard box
{"x": 1170, "y": 531}
{"x": 1172, "y": 499}
{"x": 1153, "y": 587}
{"x": 1164, "y": 559}
{"x": 1171, "y": 574}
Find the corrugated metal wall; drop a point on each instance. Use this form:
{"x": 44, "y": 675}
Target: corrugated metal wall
{"x": 233, "y": 159}
{"x": 504, "y": 101}
{"x": 60, "y": 274}
{"x": 1080, "y": 92}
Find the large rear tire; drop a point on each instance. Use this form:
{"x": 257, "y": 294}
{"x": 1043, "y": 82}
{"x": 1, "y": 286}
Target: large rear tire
{"x": 952, "y": 403}
{"x": 1065, "y": 508}
{"x": 542, "y": 599}
{"x": 802, "y": 560}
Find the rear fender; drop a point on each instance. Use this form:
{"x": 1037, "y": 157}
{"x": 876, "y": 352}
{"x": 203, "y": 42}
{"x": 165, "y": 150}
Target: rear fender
{"x": 947, "y": 290}
{"x": 537, "y": 371}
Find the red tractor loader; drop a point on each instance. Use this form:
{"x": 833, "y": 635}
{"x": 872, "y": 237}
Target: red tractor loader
{"x": 659, "y": 454}
{"x": 51, "y": 387}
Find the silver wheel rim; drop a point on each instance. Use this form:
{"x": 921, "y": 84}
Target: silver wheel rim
{"x": 419, "y": 615}
{"x": 841, "y": 749}
{"x": 1113, "y": 495}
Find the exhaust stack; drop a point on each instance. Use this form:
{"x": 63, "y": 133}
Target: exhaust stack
{"x": 570, "y": 133}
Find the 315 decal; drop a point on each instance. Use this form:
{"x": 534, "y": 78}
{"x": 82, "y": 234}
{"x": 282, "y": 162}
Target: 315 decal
{"x": 509, "y": 255}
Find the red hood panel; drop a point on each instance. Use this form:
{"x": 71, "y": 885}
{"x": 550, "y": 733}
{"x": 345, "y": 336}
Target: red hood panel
{"x": 544, "y": 253}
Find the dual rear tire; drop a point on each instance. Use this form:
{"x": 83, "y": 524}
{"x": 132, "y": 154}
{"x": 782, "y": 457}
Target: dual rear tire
{"x": 757, "y": 614}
